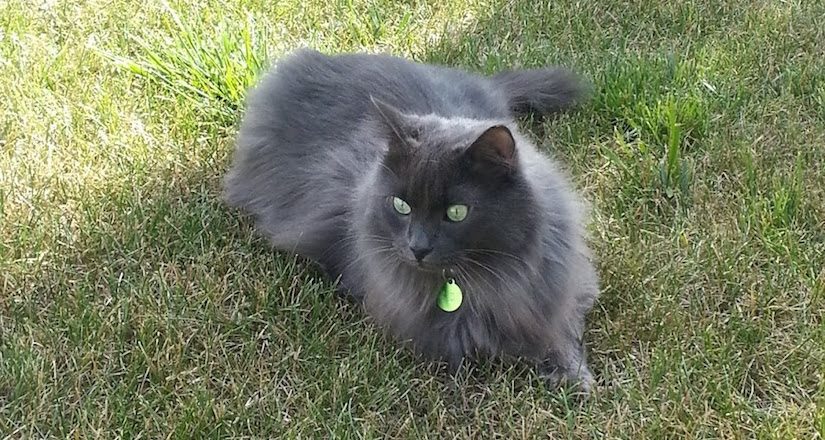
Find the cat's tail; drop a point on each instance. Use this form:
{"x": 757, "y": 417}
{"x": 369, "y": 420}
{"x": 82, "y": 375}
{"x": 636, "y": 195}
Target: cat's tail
{"x": 541, "y": 91}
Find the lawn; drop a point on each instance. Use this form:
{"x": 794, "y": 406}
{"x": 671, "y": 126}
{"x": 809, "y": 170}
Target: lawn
{"x": 134, "y": 303}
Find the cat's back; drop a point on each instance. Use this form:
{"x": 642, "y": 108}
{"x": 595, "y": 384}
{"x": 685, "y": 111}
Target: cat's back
{"x": 329, "y": 95}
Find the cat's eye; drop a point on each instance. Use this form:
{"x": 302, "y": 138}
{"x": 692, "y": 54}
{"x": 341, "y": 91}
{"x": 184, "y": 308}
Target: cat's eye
{"x": 401, "y": 206}
{"x": 457, "y": 213}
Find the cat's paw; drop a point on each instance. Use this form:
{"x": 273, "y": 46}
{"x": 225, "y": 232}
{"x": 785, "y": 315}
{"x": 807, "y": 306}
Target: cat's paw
{"x": 577, "y": 378}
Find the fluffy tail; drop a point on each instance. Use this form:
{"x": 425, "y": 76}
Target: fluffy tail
{"x": 541, "y": 91}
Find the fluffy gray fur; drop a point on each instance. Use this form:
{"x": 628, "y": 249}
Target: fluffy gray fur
{"x": 328, "y": 141}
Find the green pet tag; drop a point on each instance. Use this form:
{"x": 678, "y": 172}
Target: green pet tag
{"x": 449, "y": 299}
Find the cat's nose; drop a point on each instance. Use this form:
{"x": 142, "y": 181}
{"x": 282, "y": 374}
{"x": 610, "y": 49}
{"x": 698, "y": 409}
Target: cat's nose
{"x": 420, "y": 243}
{"x": 420, "y": 250}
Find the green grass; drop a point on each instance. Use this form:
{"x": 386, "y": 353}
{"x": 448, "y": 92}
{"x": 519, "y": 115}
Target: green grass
{"x": 133, "y": 303}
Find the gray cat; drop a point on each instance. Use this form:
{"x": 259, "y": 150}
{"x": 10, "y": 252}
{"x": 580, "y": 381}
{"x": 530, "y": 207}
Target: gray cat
{"x": 411, "y": 185}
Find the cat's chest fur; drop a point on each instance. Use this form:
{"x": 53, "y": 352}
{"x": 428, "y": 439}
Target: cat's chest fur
{"x": 405, "y": 302}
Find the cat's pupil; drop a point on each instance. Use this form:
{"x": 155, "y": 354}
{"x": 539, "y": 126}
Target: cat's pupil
{"x": 457, "y": 213}
{"x": 401, "y": 206}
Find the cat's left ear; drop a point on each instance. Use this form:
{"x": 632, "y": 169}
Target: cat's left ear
{"x": 400, "y": 132}
{"x": 494, "y": 152}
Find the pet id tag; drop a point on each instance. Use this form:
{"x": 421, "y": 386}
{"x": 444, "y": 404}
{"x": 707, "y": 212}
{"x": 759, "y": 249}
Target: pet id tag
{"x": 449, "y": 299}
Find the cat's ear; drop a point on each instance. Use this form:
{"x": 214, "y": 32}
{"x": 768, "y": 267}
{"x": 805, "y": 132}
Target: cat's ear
{"x": 400, "y": 132}
{"x": 389, "y": 115}
{"x": 494, "y": 152}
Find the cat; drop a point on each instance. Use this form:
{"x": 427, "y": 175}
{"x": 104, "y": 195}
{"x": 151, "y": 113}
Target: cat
{"x": 397, "y": 177}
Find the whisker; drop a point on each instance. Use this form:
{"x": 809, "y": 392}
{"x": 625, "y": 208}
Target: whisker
{"x": 508, "y": 265}
{"x": 487, "y": 268}
{"x": 372, "y": 253}
{"x": 503, "y": 277}
{"x": 480, "y": 278}
{"x": 474, "y": 290}
{"x": 498, "y": 253}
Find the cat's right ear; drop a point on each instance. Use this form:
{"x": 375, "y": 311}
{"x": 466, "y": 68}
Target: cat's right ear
{"x": 395, "y": 121}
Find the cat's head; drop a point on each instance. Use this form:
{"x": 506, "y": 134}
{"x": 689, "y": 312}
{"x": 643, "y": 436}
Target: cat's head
{"x": 449, "y": 190}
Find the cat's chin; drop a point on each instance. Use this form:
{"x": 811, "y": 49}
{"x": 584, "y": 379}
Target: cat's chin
{"x": 424, "y": 266}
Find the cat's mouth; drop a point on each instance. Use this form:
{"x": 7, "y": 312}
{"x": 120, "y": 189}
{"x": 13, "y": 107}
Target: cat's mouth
{"x": 424, "y": 265}
{"x": 430, "y": 263}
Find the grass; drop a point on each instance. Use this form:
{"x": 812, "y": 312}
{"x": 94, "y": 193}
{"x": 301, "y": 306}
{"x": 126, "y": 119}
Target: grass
{"x": 134, "y": 304}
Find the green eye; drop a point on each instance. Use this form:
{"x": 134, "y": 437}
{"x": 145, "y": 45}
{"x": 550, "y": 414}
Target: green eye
{"x": 401, "y": 206}
{"x": 457, "y": 213}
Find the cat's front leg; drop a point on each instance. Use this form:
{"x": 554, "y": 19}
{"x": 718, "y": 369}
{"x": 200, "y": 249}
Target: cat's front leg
{"x": 566, "y": 365}
{"x": 344, "y": 286}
